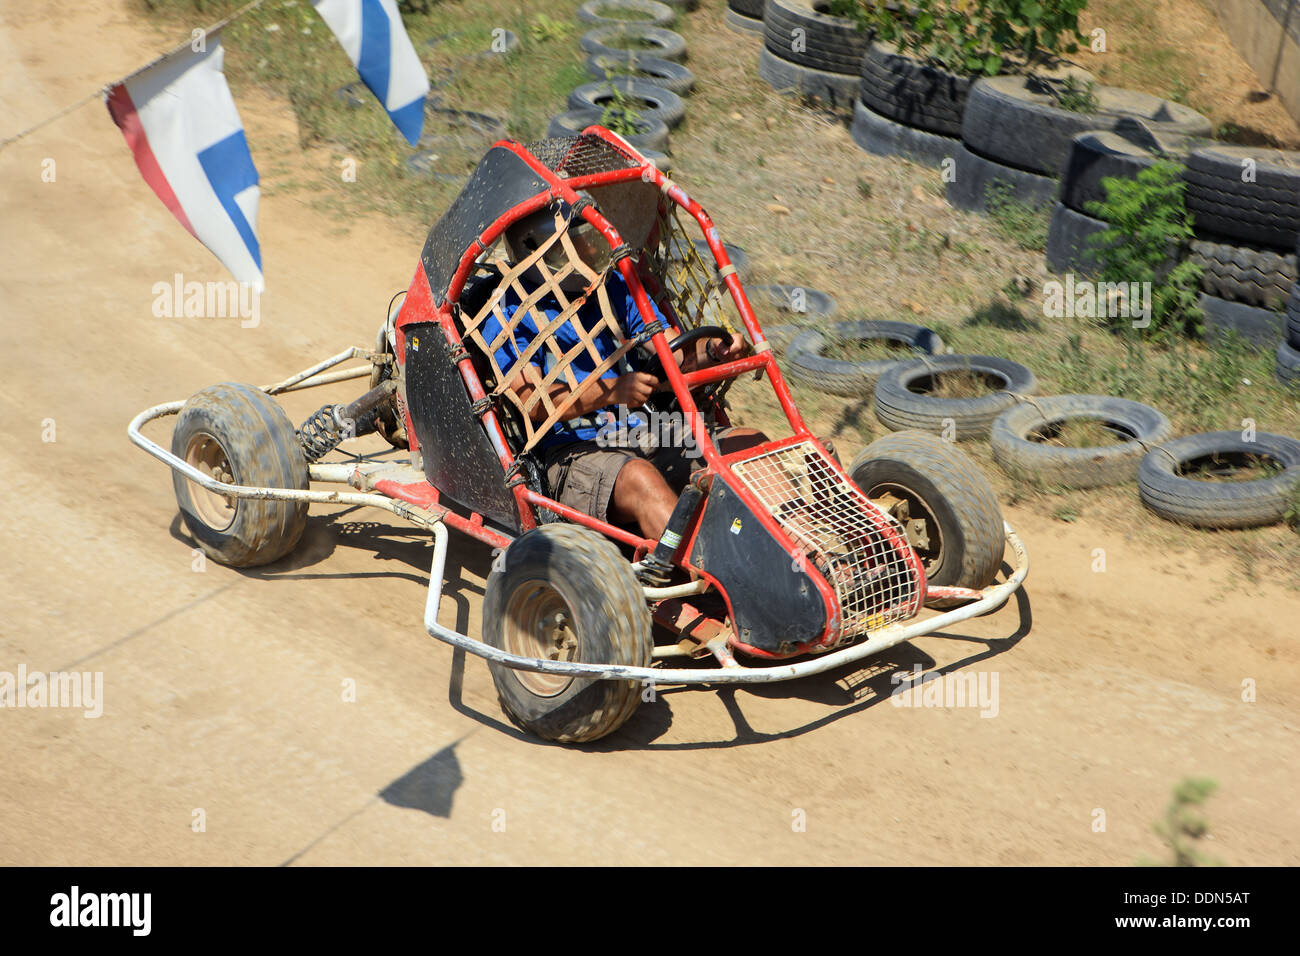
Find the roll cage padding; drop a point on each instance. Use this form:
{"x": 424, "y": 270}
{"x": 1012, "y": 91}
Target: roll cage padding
{"x": 500, "y": 182}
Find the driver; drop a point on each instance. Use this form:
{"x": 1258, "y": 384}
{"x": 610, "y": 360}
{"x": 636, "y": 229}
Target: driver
{"x": 618, "y": 485}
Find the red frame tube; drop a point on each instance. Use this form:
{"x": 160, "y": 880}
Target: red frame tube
{"x": 419, "y": 307}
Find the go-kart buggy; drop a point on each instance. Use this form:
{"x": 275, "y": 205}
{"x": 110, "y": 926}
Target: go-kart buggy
{"x": 775, "y": 564}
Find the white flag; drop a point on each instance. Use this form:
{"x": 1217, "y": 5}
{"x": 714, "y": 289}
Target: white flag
{"x": 180, "y": 121}
{"x": 375, "y": 40}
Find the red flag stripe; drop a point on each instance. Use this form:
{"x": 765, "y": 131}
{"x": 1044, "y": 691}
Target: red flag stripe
{"x": 124, "y": 115}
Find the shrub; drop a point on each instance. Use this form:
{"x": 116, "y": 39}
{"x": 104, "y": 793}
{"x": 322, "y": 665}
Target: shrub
{"x": 1148, "y": 226}
{"x": 977, "y": 37}
{"x": 620, "y": 115}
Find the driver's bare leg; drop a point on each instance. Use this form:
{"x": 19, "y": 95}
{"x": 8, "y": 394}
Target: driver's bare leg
{"x": 642, "y": 495}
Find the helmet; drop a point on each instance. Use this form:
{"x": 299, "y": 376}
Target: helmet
{"x": 525, "y": 237}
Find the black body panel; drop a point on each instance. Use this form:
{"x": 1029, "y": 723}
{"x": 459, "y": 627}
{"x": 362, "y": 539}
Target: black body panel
{"x": 777, "y": 605}
{"x": 500, "y": 182}
{"x": 458, "y": 458}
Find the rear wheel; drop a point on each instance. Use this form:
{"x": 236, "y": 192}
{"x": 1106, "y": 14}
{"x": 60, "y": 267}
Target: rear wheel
{"x": 239, "y": 435}
{"x": 944, "y": 502}
{"x": 565, "y": 593}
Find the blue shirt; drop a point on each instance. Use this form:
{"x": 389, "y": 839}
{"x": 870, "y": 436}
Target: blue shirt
{"x": 566, "y": 337}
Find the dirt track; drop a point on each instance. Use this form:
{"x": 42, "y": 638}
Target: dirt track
{"x": 223, "y": 690}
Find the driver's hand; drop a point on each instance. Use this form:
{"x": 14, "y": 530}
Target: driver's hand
{"x": 736, "y": 347}
{"x": 633, "y": 389}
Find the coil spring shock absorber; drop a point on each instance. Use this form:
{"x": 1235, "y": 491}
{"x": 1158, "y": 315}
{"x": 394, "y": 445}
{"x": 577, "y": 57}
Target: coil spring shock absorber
{"x": 330, "y": 425}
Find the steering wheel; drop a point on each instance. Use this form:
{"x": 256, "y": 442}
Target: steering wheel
{"x": 655, "y": 367}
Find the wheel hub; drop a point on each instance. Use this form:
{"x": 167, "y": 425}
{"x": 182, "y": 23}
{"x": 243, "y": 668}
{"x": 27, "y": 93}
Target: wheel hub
{"x": 919, "y": 523}
{"x": 206, "y": 454}
{"x": 539, "y": 623}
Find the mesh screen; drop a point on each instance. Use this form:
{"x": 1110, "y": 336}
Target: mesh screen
{"x": 845, "y": 536}
{"x": 684, "y": 283}
{"x": 583, "y": 155}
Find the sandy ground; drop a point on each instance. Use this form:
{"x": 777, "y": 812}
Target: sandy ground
{"x": 223, "y": 690}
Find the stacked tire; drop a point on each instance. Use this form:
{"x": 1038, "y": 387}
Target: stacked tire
{"x": 632, "y": 55}
{"x": 907, "y": 107}
{"x": 1096, "y": 155}
{"x": 806, "y": 364}
{"x": 1245, "y": 207}
{"x": 745, "y": 16}
{"x": 811, "y": 53}
{"x": 1016, "y": 135}
{"x": 1288, "y": 352}
{"x": 1170, "y": 491}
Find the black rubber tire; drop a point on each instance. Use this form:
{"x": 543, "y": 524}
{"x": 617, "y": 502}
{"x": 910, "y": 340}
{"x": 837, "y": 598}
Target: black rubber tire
{"x": 956, "y": 492}
{"x": 1243, "y": 274}
{"x": 1068, "y": 248}
{"x": 836, "y": 90}
{"x": 817, "y": 307}
{"x": 262, "y": 450}
{"x": 804, "y": 362}
{"x": 1097, "y": 467}
{"x": 656, "y": 102}
{"x": 665, "y": 74}
{"x": 661, "y": 43}
{"x": 974, "y": 176}
{"x": 900, "y": 408}
{"x": 1293, "y": 317}
{"x": 912, "y": 92}
{"x": 1012, "y": 119}
{"x": 1219, "y": 504}
{"x": 747, "y": 8}
{"x": 1265, "y": 212}
{"x": 1260, "y": 327}
{"x": 882, "y": 136}
{"x": 739, "y": 23}
{"x": 661, "y": 15}
{"x": 1288, "y": 365}
{"x": 780, "y": 336}
{"x": 1120, "y": 153}
{"x": 831, "y": 44}
{"x": 573, "y": 122}
{"x": 611, "y": 620}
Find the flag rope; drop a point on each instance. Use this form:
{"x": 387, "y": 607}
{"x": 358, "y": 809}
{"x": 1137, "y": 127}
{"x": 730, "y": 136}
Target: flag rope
{"x": 103, "y": 90}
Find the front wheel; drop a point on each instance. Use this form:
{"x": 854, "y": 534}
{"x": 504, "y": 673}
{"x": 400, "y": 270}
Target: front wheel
{"x": 944, "y": 502}
{"x": 239, "y": 435}
{"x": 565, "y": 593}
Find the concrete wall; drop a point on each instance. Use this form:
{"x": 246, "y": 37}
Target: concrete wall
{"x": 1267, "y": 35}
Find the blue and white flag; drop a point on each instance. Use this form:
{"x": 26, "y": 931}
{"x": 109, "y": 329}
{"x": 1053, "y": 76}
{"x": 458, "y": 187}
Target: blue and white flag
{"x": 182, "y": 126}
{"x": 375, "y": 40}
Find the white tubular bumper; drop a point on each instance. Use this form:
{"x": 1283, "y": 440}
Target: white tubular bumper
{"x": 990, "y": 599}
{"x": 981, "y": 602}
